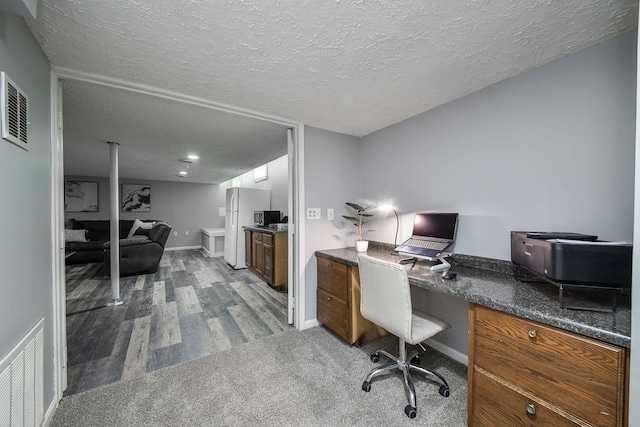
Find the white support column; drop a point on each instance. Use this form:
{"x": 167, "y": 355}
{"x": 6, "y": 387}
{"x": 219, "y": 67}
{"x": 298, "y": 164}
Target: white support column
{"x": 115, "y": 226}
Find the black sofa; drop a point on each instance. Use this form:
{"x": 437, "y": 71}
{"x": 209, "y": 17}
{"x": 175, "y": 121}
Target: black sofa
{"x": 139, "y": 254}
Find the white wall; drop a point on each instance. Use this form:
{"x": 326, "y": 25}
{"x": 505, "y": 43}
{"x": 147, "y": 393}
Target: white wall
{"x": 276, "y": 182}
{"x": 184, "y": 206}
{"x": 25, "y": 248}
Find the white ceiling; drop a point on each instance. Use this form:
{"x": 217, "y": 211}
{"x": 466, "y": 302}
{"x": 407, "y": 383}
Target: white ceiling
{"x": 349, "y": 66}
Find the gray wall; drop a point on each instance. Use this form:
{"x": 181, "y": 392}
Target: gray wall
{"x": 331, "y": 179}
{"x": 185, "y": 206}
{"x": 551, "y": 149}
{"x": 25, "y": 247}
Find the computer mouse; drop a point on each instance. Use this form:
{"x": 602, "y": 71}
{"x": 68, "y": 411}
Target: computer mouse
{"x": 449, "y": 275}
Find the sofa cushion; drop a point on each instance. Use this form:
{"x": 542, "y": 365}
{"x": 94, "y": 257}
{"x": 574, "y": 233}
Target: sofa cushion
{"x": 137, "y": 224}
{"x": 85, "y": 246}
{"x": 135, "y": 240}
{"x": 75, "y": 235}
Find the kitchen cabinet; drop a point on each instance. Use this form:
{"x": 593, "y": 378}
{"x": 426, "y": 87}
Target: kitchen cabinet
{"x": 525, "y": 373}
{"x": 339, "y": 303}
{"x": 269, "y": 258}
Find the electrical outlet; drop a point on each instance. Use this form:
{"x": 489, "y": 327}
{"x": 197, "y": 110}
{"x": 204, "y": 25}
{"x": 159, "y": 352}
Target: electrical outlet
{"x": 175, "y": 233}
{"x": 313, "y": 213}
{"x": 186, "y": 233}
{"x": 330, "y": 214}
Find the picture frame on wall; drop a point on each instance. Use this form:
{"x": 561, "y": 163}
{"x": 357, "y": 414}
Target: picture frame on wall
{"x": 80, "y": 196}
{"x": 136, "y": 198}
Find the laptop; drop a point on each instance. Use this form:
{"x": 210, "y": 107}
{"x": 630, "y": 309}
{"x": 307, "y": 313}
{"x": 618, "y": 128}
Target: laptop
{"x": 433, "y": 233}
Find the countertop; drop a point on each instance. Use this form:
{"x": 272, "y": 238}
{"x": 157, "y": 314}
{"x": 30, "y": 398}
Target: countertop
{"x": 491, "y": 283}
{"x": 263, "y": 229}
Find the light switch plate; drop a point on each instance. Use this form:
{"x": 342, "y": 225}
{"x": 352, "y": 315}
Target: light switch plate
{"x": 221, "y": 211}
{"x": 330, "y": 214}
{"x": 313, "y": 213}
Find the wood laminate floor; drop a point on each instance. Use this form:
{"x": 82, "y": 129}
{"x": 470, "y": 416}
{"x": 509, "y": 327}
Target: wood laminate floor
{"x": 191, "y": 307}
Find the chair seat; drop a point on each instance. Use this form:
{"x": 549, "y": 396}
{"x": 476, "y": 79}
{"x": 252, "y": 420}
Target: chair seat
{"x": 424, "y": 326}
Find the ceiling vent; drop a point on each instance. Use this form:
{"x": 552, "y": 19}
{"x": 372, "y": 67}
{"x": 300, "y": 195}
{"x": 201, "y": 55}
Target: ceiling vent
{"x": 14, "y": 113}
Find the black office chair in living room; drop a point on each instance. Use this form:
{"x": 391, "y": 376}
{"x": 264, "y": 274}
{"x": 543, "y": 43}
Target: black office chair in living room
{"x": 386, "y": 301}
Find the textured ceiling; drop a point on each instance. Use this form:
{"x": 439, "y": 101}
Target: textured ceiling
{"x": 349, "y": 66}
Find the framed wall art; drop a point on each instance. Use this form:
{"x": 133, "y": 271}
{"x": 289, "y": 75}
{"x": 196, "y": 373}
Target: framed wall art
{"x": 80, "y": 196}
{"x": 136, "y": 198}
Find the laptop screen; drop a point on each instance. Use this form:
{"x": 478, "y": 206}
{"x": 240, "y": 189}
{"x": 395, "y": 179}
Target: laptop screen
{"x": 438, "y": 225}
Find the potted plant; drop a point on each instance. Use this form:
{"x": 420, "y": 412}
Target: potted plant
{"x": 360, "y": 219}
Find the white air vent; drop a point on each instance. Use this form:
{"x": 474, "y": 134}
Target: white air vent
{"x": 22, "y": 380}
{"x": 15, "y": 111}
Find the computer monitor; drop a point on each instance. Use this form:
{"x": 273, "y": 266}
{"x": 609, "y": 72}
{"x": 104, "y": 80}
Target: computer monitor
{"x": 435, "y": 224}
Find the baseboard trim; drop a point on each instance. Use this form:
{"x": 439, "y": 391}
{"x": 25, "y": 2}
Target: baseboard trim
{"x": 182, "y": 248}
{"x": 48, "y": 416}
{"x": 436, "y": 345}
{"x": 448, "y": 351}
{"x": 310, "y": 324}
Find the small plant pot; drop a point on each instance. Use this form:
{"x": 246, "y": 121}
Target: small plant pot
{"x": 362, "y": 245}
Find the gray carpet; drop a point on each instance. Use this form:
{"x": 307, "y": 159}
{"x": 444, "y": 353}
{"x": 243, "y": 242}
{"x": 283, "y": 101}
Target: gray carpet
{"x": 296, "y": 378}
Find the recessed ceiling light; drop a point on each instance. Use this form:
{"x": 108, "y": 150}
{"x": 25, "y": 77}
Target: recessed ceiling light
{"x": 182, "y": 173}
{"x": 192, "y": 157}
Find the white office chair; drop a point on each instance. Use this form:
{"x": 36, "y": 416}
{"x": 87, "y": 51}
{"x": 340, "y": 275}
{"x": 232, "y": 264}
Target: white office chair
{"x": 386, "y": 301}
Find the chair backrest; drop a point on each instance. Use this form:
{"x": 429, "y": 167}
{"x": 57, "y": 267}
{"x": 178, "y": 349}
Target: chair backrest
{"x": 385, "y": 296}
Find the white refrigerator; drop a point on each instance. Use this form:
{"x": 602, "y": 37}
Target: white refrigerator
{"x": 239, "y": 207}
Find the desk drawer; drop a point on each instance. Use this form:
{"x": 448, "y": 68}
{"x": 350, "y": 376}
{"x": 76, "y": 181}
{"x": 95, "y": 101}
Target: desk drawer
{"x": 583, "y": 376}
{"x": 267, "y": 239}
{"x": 332, "y": 312}
{"x": 332, "y": 277}
{"x": 498, "y": 405}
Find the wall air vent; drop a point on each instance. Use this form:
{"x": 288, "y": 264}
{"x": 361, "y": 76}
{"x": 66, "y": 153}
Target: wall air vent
{"x": 15, "y": 110}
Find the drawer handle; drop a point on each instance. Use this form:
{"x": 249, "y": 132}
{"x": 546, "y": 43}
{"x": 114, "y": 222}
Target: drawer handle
{"x": 328, "y": 298}
{"x": 531, "y": 408}
{"x": 532, "y": 333}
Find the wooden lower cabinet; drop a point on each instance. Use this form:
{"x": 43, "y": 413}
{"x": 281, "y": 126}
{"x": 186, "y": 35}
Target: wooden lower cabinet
{"x": 269, "y": 257}
{"x": 523, "y": 373}
{"x": 339, "y": 303}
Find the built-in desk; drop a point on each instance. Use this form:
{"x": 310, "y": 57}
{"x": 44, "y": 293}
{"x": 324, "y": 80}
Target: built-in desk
{"x": 530, "y": 361}
{"x": 500, "y": 290}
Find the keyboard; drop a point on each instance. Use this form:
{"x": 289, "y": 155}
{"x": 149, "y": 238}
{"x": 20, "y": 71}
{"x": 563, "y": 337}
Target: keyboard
{"x": 426, "y": 244}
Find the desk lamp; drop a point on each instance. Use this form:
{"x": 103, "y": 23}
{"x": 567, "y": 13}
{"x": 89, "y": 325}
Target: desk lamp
{"x": 395, "y": 240}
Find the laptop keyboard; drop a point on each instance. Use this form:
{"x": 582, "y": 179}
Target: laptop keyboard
{"x": 426, "y": 244}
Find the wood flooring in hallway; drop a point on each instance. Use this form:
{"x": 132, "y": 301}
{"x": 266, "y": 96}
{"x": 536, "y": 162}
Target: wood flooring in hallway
{"x": 191, "y": 307}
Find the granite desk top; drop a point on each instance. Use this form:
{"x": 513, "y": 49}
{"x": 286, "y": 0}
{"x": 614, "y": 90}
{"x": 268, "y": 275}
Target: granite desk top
{"x": 491, "y": 283}
{"x": 263, "y": 229}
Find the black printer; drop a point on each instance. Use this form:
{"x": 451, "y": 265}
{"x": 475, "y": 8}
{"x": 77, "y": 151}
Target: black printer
{"x": 573, "y": 258}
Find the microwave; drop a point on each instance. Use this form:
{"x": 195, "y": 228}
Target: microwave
{"x": 264, "y": 218}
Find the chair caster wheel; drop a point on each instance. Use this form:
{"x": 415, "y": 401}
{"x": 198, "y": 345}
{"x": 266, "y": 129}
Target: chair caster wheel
{"x": 375, "y": 357}
{"x": 416, "y": 360}
{"x": 444, "y": 390}
{"x": 366, "y": 386}
{"x": 410, "y": 411}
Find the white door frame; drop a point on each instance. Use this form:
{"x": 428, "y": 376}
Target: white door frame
{"x": 57, "y": 193}
{"x": 57, "y": 241}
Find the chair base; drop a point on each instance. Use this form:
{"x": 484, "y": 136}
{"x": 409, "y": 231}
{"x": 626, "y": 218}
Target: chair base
{"x": 404, "y": 363}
